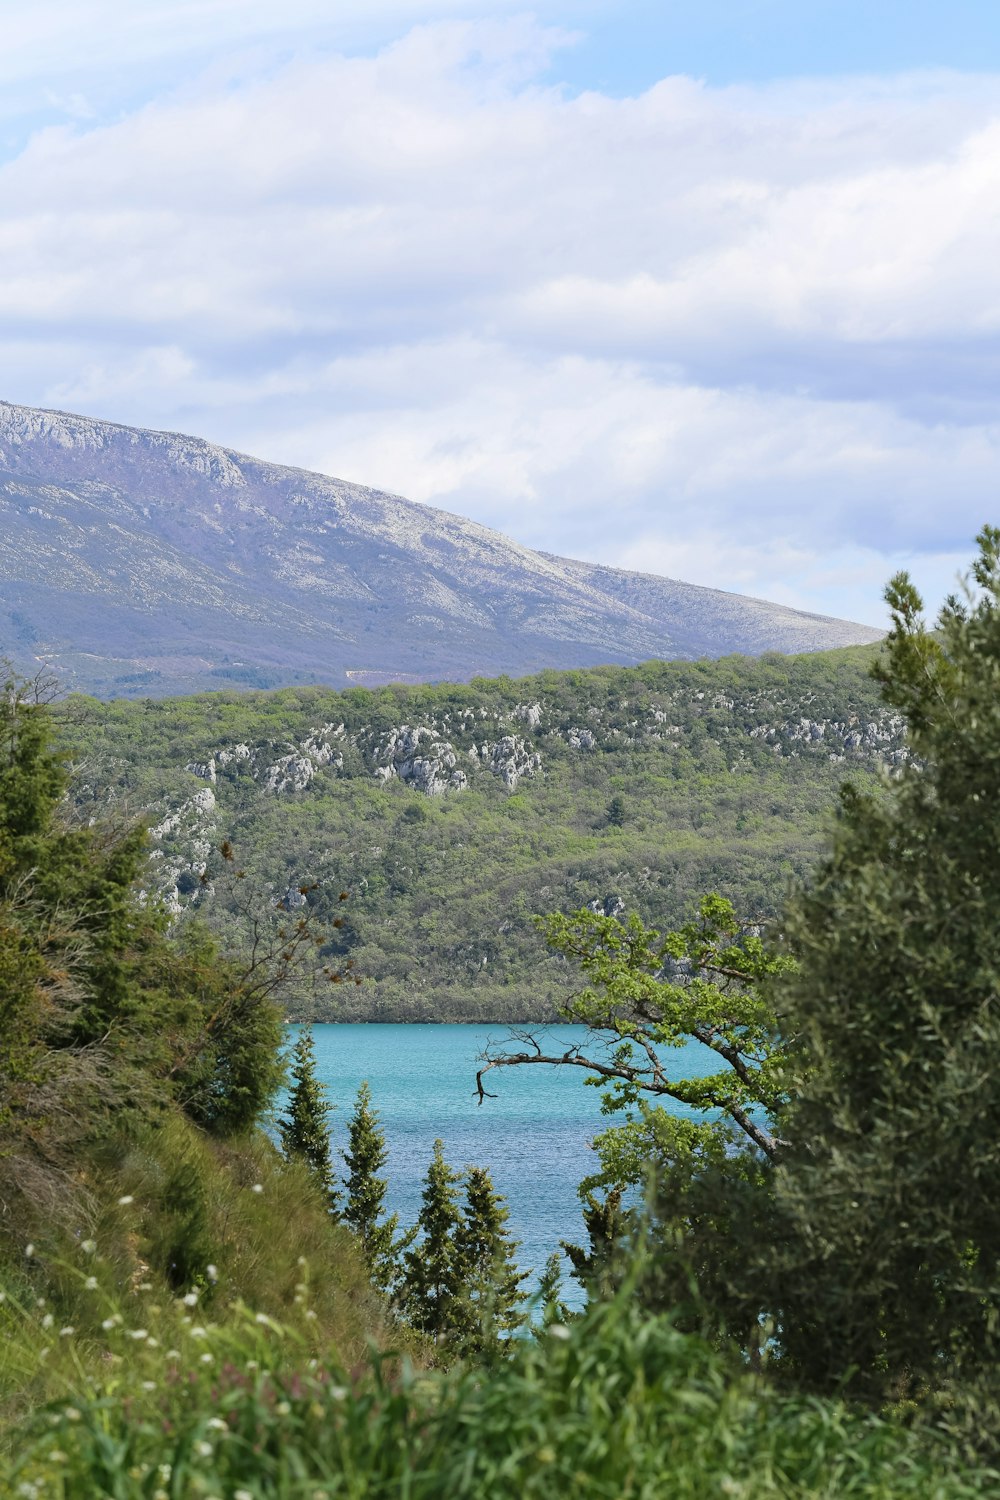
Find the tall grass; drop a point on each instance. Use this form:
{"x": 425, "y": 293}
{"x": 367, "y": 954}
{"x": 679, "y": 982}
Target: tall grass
{"x": 616, "y": 1406}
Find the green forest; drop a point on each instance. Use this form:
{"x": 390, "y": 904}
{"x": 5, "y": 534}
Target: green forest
{"x": 633, "y": 789}
{"x": 792, "y": 1288}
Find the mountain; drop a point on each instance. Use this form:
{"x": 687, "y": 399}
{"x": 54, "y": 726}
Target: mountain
{"x": 147, "y": 563}
{"x": 451, "y": 812}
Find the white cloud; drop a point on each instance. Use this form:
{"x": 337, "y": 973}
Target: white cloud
{"x": 753, "y": 331}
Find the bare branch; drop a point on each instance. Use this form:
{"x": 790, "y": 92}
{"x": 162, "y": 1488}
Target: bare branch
{"x": 614, "y": 1072}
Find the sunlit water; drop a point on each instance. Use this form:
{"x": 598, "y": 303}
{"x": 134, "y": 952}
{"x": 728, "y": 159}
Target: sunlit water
{"x": 534, "y": 1135}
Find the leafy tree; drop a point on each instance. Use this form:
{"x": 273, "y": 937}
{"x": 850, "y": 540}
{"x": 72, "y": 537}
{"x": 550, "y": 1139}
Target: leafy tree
{"x": 432, "y": 1279}
{"x": 304, "y": 1131}
{"x": 491, "y": 1283}
{"x": 649, "y": 992}
{"x": 365, "y": 1194}
{"x": 889, "y": 1186}
{"x": 705, "y": 1171}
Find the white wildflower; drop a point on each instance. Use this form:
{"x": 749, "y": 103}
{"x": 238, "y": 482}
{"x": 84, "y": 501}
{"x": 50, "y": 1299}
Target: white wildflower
{"x": 558, "y": 1331}
{"x": 67, "y": 1332}
{"x": 203, "y": 1449}
{"x": 90, "y": 1284}
{"x": 125, "y": 1200}
{"x": 207, "y": 1359}
{"x": 190, "y": 1299}
{"x": 48, "y": 1320}
{"x": 258, "y": 1187}
{"x": 283, "y": 1409}
{"x": 88, "y": 1246}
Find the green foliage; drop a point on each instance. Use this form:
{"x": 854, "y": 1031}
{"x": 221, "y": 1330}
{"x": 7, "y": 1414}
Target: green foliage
{"x": 704, "y": 1170}
{"x": 431, "y": 1284}
{"x": 184, "y": 1243}
{"x": 547, "y": 1298}
{"x": 889, "y": 1189}
{"x": 100, "y": 1011}
{"x": 616, "y": 1406}
{"x": 492, "y": 1298}
{"x": 648, "y": 991}
{"x": 598, "y": 1267}
{"x": 365, "y": 1192}
{"x": 725, "y": 790}
{"x": 304, "y": 1130}
{"x": 617, "y": 811}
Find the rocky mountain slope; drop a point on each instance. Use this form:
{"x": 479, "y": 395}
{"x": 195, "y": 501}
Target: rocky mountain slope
{"x": 451, "y": 813}
{"x": 144, "y": 563}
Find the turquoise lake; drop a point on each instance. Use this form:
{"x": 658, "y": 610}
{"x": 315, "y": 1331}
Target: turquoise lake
{"x": 534, "y": 1136}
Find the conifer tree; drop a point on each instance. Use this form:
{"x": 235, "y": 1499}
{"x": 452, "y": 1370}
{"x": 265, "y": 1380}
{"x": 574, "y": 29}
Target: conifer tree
{"x": 304, "y": 1131}
{"x": 432, "y": 1269}
{"x": 365, "y": 1157}
{"x": 553, "y": 1308}
{"x": 607, "y": 1225}
{"x": 491, "y": 1294}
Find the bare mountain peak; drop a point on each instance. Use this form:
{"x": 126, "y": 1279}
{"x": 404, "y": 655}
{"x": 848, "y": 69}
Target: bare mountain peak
{"x": 142, "y": 562}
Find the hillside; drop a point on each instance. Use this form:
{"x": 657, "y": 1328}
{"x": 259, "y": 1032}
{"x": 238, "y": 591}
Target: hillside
{"x": 139, "y": 563}
{"x": 452, "y": 814}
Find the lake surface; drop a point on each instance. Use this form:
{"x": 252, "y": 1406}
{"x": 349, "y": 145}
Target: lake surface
{"x": 534, "y": 1136}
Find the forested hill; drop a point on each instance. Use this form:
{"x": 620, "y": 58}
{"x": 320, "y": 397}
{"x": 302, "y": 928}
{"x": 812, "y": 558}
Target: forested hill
{"x": 451, "y": 814}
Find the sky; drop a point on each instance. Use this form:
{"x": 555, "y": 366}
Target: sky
{"x": 711, "y": 291}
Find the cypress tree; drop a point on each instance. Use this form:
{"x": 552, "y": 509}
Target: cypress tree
{"x": 492, "y": 1295}
{"x": 304, "y": 1131}
{"x": 365, "y": 1157}
{"x": 432, "y": 1269}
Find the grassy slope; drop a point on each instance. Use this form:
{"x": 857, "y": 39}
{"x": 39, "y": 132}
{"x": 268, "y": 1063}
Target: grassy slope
{"x": 728, "y": 771}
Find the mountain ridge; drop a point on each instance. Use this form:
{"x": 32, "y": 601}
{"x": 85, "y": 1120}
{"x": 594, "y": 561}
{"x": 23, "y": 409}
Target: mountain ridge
{"x": 137, "y": 562}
